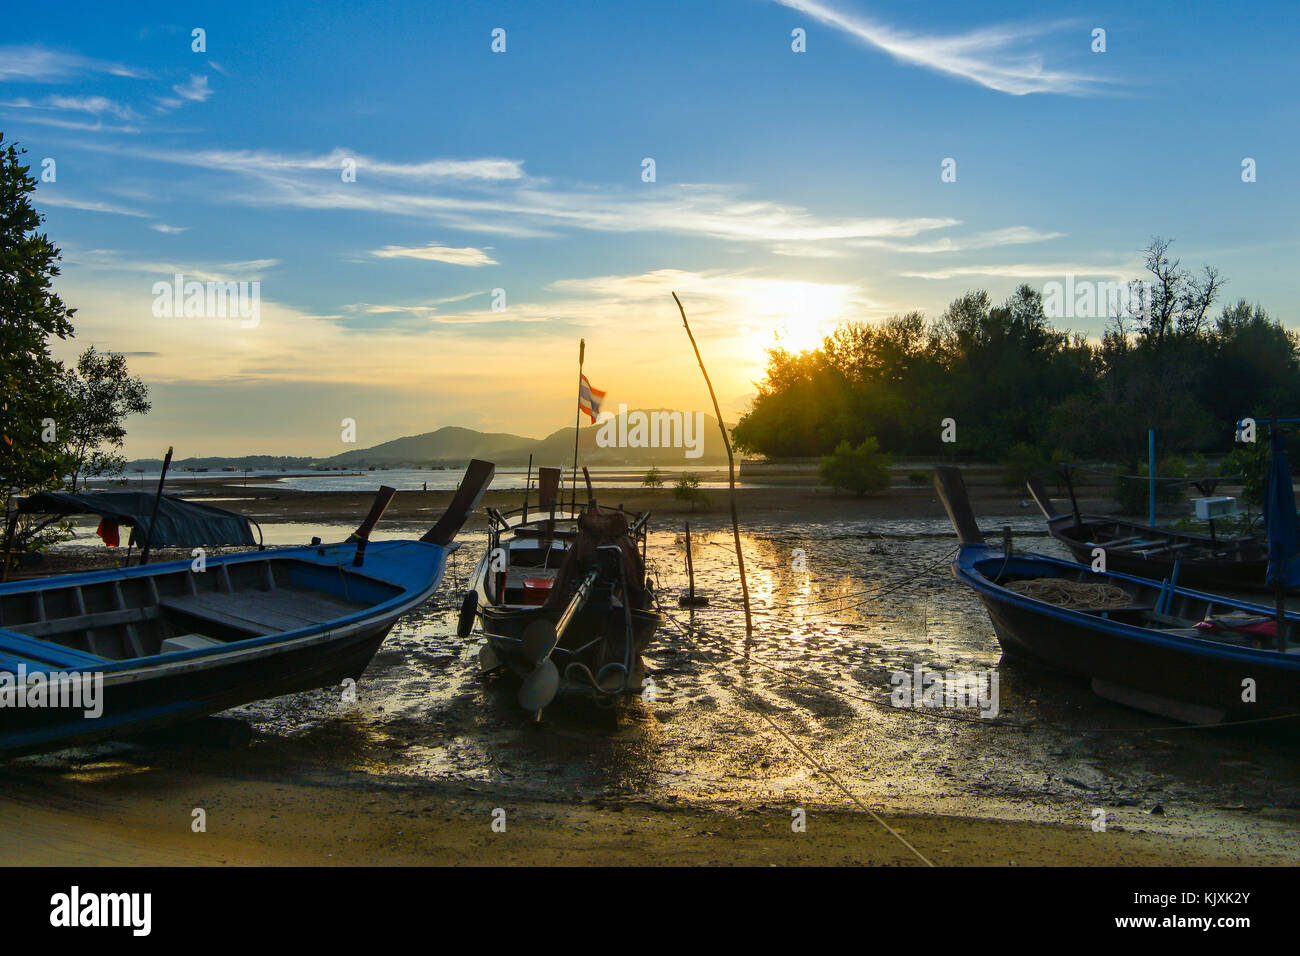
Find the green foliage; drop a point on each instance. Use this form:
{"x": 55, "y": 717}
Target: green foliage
{"x": 1250, "y": 460}
{"x": 31, "y": 380}
{"x": 862, "y": 469}
{"x": 102, "y": 393}
{"x": 1009, "y": 378}
{"x": 54, "y": 421}
{"x": 653, "y": 479}
{"x": 1133, "y": 494}
{"x": 1023, "y": 461}
{"x": 687, "y": 489}
{"x": 918, "y": 477}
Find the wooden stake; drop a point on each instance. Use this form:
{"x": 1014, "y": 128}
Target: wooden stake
{"x": 731, "y": 478}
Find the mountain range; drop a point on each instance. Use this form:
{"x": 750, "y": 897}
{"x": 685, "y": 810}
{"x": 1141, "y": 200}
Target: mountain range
{"x": 453, "y": 446}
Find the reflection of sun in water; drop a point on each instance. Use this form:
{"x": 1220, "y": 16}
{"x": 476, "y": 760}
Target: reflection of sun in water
{"x": 801, "y": 314}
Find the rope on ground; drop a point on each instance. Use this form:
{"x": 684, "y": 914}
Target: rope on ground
{"x": 812, "y": 761}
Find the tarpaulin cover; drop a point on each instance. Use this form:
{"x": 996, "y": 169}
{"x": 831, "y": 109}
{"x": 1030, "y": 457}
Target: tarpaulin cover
{"x": 180, "y": 524}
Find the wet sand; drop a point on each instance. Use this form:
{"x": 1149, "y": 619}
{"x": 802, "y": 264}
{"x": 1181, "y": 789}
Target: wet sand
{"x": 253, "y": 822}
{"x": 411, "y": 771}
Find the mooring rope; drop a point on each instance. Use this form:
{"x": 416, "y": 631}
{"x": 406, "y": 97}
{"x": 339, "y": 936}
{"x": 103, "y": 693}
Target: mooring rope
{"x": 1073, "y": 595}
{"x": 811, "y": 760}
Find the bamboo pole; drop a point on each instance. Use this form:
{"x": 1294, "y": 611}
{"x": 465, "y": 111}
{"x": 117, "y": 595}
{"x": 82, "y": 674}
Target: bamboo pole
{"x": 731, "y": 478}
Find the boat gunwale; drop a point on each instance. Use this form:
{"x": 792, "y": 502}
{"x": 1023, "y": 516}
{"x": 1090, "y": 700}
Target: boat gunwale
{"x": 963, "y": 568}
{"x": 258, "y": 645}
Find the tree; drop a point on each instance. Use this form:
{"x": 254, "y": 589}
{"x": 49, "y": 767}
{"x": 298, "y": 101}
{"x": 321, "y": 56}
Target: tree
{"x": 102, "y": 393}
{"x": 32, "y": 397}
{"x": 653, "y": 479}
{"x": 688, "y": 489}
{"x": 861, "y": 470}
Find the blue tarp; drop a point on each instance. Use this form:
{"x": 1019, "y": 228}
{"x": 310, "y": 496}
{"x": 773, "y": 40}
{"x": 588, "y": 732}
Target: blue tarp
{"x": 1279, "y": 512}
{"x": 181, "y": 524}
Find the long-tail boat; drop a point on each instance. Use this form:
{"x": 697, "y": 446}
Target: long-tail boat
{"x": 86, "y": 657}
{"x": 562, "y": 598}
{"x": 1131, "y": 547}
{"x": 1165, "y": 649}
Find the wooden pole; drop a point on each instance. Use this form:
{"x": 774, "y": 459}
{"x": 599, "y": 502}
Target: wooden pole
{"x": 690, "y": 565}
{"x": 731, "y": 478}
{"x": 157, "y": 500}
{"x": 577, "y": 426}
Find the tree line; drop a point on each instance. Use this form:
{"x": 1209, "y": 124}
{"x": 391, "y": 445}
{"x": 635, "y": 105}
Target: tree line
{"x": 1019, "y": 389}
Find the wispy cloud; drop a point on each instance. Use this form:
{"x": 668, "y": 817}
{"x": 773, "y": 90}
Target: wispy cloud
{"x": 1010, "y": 236}
{"x": 195, "y": 89}
{"x": 1031, "y": 271}
{"x": 110, "y": 260}
{"x": 494, "y": 196}
{"x": 47, "y": 197}
{"x": 466, "y": 256}
{"x": 95, "y": 105}
{"x": 994, "y": 57}
{"x": 268, "y": 163}
{"x": 35, "y": 63}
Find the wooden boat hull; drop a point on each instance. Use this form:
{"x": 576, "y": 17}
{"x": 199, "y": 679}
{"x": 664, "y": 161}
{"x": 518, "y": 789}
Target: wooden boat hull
{"x": 1138, "y": 549}
{"x": 161, "y": 689}
{"x": 582, "y": 645}
{"x": 1204, "y": 676}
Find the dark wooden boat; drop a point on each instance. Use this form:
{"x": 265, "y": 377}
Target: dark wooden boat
{"x": 171, "y": 642}
{"x": 1204, "y": 561}
{"x": 1172, "y": 651}
{"x": 562, "y": 598}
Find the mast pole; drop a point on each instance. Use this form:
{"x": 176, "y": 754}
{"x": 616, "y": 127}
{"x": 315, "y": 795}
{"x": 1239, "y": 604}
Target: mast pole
{"x": 157, "y": 500}
{"x": 577, "y": 426}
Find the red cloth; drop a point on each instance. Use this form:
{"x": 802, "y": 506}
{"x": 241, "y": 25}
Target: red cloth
{"x": 108, "y": 531}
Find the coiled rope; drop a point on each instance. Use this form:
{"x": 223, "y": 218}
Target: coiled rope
{"x": 1073, "y": 595}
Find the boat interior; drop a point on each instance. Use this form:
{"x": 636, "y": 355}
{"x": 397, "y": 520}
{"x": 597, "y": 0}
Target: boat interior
{"x": 118, "y": 617}
{"x": 1141, "y": 541}
{"x": 1155, "y": 605}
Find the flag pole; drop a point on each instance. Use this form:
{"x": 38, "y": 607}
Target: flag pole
{"x": 577, "y": 426}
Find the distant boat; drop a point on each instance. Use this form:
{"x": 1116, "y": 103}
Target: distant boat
{"x": 172, "y": 644}
{"x": 561, "y": 596}
{"x": 1132, "y": 547}
{"x": 1172, "y": 651}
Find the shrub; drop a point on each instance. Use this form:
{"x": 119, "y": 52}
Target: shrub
{"x": 688, "y": 489}
{"x": 861, "y": 470}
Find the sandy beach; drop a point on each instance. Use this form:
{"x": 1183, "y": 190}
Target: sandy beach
{"x": 419, "y": 769}
{"x": 147, "y": 821}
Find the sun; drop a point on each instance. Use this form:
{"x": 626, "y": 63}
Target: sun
{"x": 798, "y": 314}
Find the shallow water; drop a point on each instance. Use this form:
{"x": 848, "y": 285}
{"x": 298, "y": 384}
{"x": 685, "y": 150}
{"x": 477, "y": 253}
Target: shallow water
{"x": 819, "y": 671}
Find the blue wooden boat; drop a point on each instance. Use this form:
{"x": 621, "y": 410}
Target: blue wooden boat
{"x": 1173, "y": 651}
{"x": 96, "y": 656}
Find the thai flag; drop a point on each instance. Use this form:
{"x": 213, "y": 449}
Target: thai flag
{"x": 589, "y": 399}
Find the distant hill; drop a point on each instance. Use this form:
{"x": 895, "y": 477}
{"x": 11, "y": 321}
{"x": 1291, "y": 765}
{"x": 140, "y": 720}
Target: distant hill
{"x": 447, "y": 445}
{"x": 251, "y": 462}
{"x": 453, "y": 446}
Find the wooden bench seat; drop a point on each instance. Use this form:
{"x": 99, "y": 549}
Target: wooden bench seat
{"x": 16, "y": 648}
{"x": 263, "y": 612}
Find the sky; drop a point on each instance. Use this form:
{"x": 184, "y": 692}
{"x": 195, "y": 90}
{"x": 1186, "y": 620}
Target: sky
{"x": 434, "y": 223}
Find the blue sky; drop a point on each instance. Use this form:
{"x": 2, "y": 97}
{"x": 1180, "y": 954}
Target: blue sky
{"x": 792, "y": 190}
